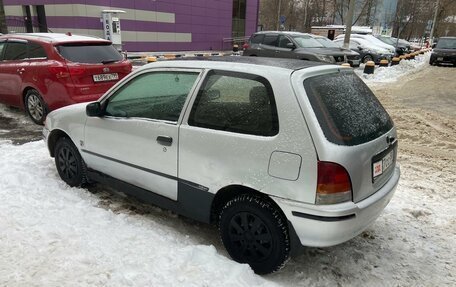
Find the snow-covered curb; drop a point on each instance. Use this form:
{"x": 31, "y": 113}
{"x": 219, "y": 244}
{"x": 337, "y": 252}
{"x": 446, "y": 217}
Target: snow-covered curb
{"x": 391, "y": 74}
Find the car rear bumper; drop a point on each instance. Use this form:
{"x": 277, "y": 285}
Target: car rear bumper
{"x": 327, "y": 225}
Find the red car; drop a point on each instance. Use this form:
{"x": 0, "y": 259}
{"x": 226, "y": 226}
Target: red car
{"x": 41, "y": 72}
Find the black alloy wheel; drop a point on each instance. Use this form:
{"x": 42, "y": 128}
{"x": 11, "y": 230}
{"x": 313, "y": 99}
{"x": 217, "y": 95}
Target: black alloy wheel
{"x": 367, "y": 58}
{"x": 255, "y": 232}
{"x": 70, "y": 165}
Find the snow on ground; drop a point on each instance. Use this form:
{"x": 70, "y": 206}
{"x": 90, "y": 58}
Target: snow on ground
{"x": 393, "y": 73}
{"x": 54, "y": 235}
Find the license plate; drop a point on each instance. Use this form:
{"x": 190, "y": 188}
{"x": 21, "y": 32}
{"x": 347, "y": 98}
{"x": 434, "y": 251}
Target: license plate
{"x": 105, "y": 77}
{"x": 382, "y": 165}
{"x": 439, "y": 58}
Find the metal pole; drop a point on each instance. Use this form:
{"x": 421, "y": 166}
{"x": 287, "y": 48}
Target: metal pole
{"x": 431, "y": 36}
{"x": 348, "y": 25}
{"x": 278, "y": 16}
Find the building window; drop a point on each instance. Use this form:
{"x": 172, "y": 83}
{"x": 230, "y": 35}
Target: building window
{"x": 239, "y": 9}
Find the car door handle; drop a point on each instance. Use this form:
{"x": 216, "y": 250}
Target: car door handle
{"x": 21, "y": 70}
{"x": 165, "y": 140}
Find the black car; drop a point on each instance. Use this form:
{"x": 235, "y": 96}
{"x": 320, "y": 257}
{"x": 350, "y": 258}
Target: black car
{"x": 444, "y": 52}
{"x": 298, "y": 46}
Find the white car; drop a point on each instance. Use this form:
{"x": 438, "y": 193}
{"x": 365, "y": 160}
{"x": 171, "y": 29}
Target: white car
{"x": 278, "y": 153}
{"x": 367, "y": 50}
{"x": 372, "y": 40}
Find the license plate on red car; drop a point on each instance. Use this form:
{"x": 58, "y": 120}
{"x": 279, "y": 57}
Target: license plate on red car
{"x": 105, "y": 77}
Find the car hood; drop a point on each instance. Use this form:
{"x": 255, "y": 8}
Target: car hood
{"x": 327, "y": 51}
{"x": 66, "y": 116}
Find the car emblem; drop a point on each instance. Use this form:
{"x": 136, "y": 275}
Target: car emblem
{"x": 105, "y": 70}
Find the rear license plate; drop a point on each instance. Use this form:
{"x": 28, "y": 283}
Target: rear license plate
{"x": 105, "y": 77}
{"x": 440, "y": 59}
{"x": 382, "y": 165}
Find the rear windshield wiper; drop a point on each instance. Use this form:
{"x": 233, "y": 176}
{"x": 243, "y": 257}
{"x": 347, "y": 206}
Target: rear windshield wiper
{"x": 108, "y": 61}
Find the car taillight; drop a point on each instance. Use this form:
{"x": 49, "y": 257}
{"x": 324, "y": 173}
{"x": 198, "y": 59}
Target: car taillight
{"x": 76, "y": 70}
{"x": 333, "y": 184}
{"x": 245, "y": 46}
{"x": 128, "y": 67}
{"x": 59, "y": 71}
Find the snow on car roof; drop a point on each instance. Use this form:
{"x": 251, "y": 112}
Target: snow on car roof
{"x": 57, "y": 37}
{"x": 290, "y": 64}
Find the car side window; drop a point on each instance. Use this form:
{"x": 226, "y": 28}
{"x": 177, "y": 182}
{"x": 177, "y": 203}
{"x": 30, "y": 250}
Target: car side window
{"x": 236, "y": 102}
{"x": 283, "y": 41}
{"x": 154, "y": 95}
{"x": 15, "y": 51}
{"x": 270, "y": 40}
{"x": 2, "y": 49}
{"x": 36, "y": 51}
{"x": 257, "y": 39}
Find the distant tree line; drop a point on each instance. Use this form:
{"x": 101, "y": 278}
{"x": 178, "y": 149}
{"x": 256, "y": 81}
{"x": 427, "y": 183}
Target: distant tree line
{"x": 411, "y": 18}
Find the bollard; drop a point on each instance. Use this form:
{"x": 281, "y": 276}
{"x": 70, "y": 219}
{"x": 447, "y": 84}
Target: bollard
{"x": 384, "y": 63}
{"x": 412, "y": 56}
{"x": 151, "y": 59}
{"x": 235, "y": 48}
{"x": 407, "y": 56}
{"x": 395, "y": 61}
{"x": 346, "y": 65}
{"x": 169, "y": 56}
{"x": 422, "y": 52}
{"x": 401, "y": 57}
{"x": 369, "y": 67}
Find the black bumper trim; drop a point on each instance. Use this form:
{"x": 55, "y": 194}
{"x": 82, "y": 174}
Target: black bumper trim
{"x": 323, "y": 218}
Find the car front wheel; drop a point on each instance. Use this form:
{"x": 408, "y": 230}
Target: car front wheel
{"x": 254, "y": 231}
{"x": 69, "y": 163}
{"x": 35, "y": 107}
{"x": 367, "y": 58}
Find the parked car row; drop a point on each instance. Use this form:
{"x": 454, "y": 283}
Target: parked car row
{"x": 40, "y": 72}
{"x": 444, "y": 52}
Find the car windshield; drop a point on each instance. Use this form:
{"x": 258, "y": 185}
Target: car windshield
{"x": 307, "y": 42}
{"x": 347, "y": 110}
{"x": 327, "y": 43}
{"x": 387, "y": 40}
{"x": 446, "y": 43}
{"x": 89, "y": 52}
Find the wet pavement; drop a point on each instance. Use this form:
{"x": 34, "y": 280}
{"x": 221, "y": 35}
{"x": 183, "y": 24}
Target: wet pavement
{"x": 17, "y": 128}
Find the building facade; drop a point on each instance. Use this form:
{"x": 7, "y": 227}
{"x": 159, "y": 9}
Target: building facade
{"x": 146, "y": 25}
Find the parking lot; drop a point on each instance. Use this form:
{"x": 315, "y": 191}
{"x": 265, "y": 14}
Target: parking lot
{"x": 52, "y": 233}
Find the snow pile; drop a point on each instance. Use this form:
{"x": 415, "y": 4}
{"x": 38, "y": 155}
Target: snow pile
{"x": 393, "y": 73}
{"x": 53, "y": 235}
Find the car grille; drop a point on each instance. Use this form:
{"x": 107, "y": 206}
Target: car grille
{"x": 353, "y": 57}
{"x": 339, "y": 59}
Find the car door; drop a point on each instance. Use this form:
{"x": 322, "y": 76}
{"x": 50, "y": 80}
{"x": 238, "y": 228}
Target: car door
{"x": 269, "y": 46}
{"x": 136, "y": 140}
{"x": 13, "y": 67}
{"x": 283, "y": 51}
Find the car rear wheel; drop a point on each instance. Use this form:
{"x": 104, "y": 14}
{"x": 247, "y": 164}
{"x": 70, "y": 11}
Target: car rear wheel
{"x": 69, "y": 163}
{"x": 367, "y": 58}
{"x": 35, "y": 107}
{"x": 255, "y": 232}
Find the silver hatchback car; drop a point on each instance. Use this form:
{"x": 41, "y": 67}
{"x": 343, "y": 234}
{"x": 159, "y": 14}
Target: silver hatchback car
{"x": 277, "y": 153}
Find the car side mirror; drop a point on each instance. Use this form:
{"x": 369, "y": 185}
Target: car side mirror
{"x": 94, "y": 110}
{"x": 291, "y": 46}
{"x": 360, "y": 48}
{"x": 433, "y": 45}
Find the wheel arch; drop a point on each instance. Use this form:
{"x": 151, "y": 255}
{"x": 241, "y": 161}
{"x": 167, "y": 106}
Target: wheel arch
{"x": 53, "y": 137}
{"x": 229, "y": 192}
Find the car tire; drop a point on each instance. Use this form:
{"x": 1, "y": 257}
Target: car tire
{"x": 254, "y": 231}
{"x": 431, "y": 61}
{"x": 35, "y": 106}
{"x": 367, "y": 58}
{"x": 70, "y": 165}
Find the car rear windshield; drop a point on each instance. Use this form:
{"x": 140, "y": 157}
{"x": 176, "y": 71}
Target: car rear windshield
{"x": 89, "y": 53}
{"x": 347, "y": 110}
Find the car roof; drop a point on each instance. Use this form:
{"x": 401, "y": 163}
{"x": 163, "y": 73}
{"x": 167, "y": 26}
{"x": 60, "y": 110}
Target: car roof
{"x": 283, "y": 33}
{"x": 205, "y": 62}
{"x": 54, "y": 37}
{"x": 447, "y": 37}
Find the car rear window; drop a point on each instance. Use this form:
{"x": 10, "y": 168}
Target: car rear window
{"x": 89, "y": 52}
{"x": 347, "y": 110}
{"x": 257, "y": 39}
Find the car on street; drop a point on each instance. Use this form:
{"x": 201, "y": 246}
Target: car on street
{"x": 297, "y": 45}
{"x": 367, "y": 50}
{"x": 401, "y": 47}
{"x": 444, "y": 52}
{"x": 40, "y": 72}
{"x": 278, "y": 153}
{"x": 373, "y": 40}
